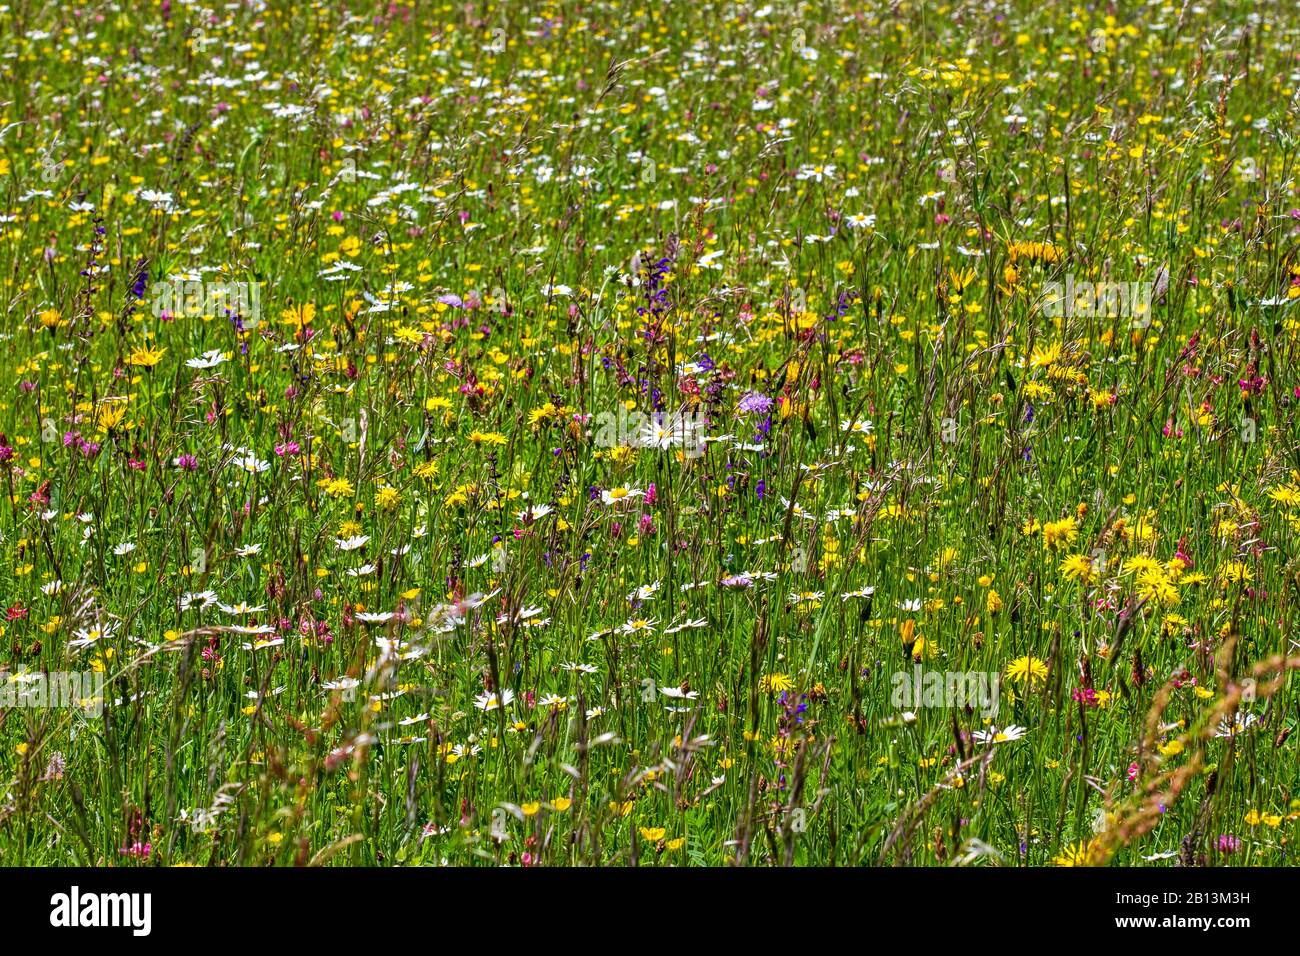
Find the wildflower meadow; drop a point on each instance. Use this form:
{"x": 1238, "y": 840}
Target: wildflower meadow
{"x": 665, "y": 435}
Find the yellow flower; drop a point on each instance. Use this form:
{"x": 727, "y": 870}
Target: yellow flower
{"x": 531, "y": 808}
{"x": 146, "y": 357}
{"x": 1234, "y": 572}
{"x": 110, "y": 415}
{"x": 1060, "y": 532}
{"x": 299, "y": 315}
{"x": 560, "y": 804}
{"x": 775, "y": 683}
{"x": 1045, "y": 355}
{"x": 1155, "y": 585}
{"x": 653, "y": 834}
{"x": 544, "y": 412}
{"x": 924, "y": 648}
{"x": 1032, "y": 251}
{"x": 960, "y": 280}
{"x": 1081, "y": 854}
{"x": 1077, "y": 567}
{"x": 1286, "y": 495}
{"x": 339, "y": 488}
{"x": 907, "y": 631}
{"x": 1027, "y": 670}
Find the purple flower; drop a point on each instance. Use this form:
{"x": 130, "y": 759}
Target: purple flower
{"x": 141, "y": 280}
{"x": 755, "y": 403}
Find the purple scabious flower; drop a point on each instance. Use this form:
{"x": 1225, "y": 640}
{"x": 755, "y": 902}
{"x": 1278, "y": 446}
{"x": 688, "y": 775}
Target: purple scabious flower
{"x": 755, "y": 403}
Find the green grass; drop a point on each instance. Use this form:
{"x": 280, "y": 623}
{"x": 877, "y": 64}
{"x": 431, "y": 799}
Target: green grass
{"x": 482, "y": 241}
